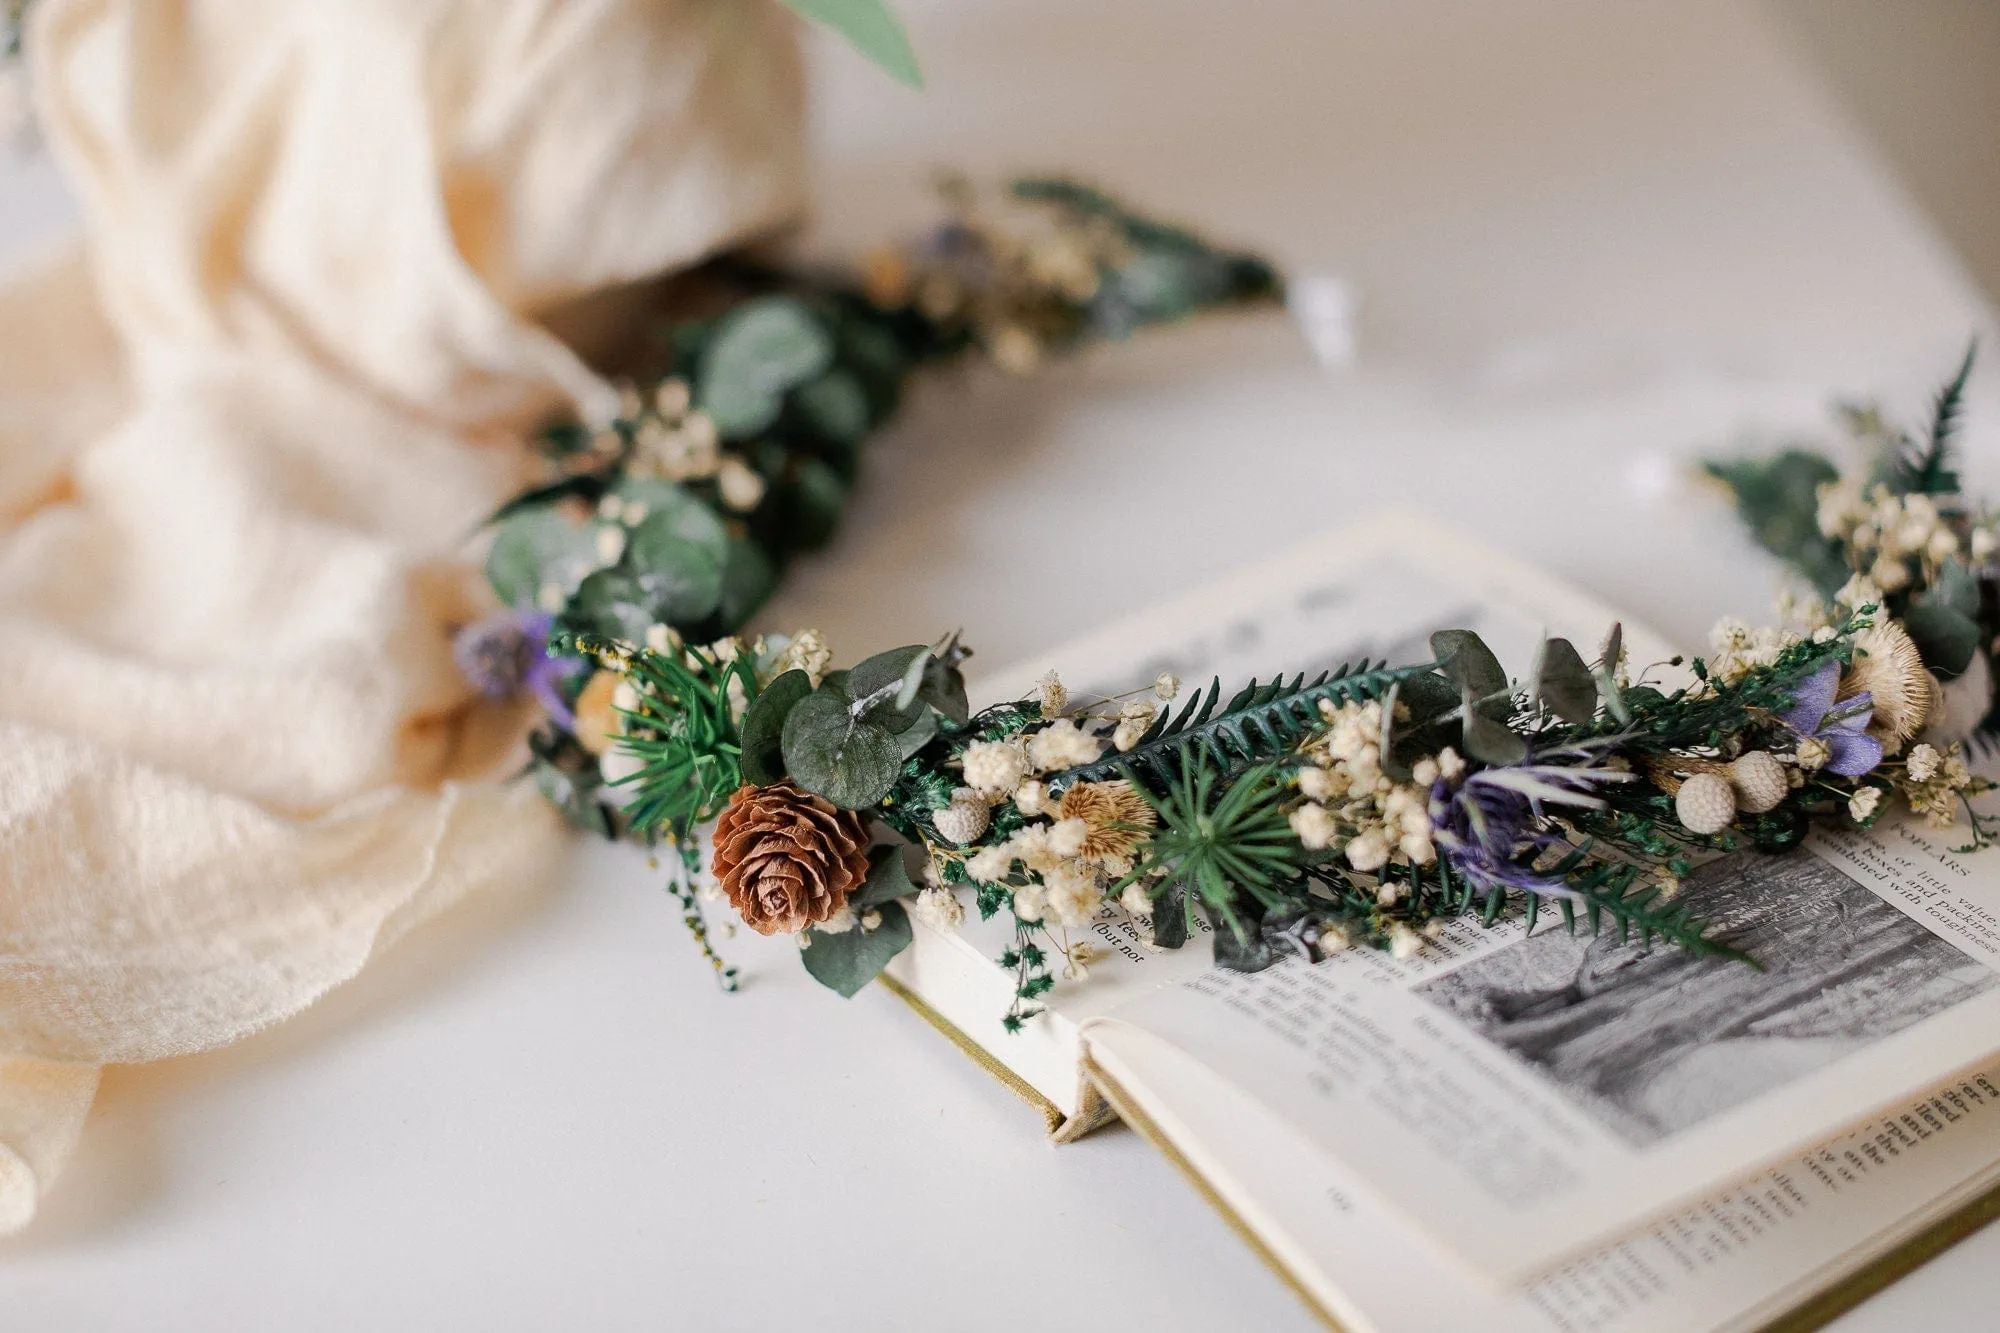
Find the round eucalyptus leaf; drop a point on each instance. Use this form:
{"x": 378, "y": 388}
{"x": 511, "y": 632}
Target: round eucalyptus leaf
{"x": 830, "y": 753}
{"x": 813, "y": 501}
{"x": 850, "y": 959}
{"x": 882, "y": 671}
{"x": 748, "y": 580}
{"x": 679, "y": 586}
{"x": 835, "y": 406}
{"x": 539, "y": 547}
{"x": 672, "y": 511}
{"x": 762, "y": 732}
{"x": 759, "y": 350}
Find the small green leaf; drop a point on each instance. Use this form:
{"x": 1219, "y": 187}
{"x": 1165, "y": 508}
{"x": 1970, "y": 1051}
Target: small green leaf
{"x": 874, "y": 30}
{"x": 679, "y": 583}
{"x": 760, "y": 349}
{"x": 1946, "y": 638}
{"x": 1468, "y": 663}
{"x": 830, "y": 753}
{"x": 1490, "y": 740}
{"x": 812, "y": 502}
{"x": 763, "y": 728}
{"x": 537, "y": 547}
{"x": 835, "y": 406}
{"x": 748, "y": 580}
{"x": 851, "y": 959}
{"x": 888, "y": 877}
{"x": 918, "y": 734}
{"x": 901, "y": 668}
{"x": 671, "y": 512}
{"x": 1563, "y": 684}
{"x": 1956, "y": 588}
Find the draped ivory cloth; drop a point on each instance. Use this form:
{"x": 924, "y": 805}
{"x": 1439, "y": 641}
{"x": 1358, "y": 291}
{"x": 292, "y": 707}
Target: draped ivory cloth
{"x": 244, "y": 429}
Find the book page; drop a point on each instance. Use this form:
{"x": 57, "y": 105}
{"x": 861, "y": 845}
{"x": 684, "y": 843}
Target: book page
{"x": 1731, "y": 1260}
{"x": 1524, "y": 1097}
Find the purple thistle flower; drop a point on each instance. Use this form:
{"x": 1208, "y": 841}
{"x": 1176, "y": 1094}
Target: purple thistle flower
{"x": 1842, "y": 726}
{"x": 1490, "y": 828}
{"x": 509, "y": 652}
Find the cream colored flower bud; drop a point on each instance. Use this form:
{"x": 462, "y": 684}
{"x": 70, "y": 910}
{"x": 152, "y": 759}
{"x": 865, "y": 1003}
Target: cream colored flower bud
{"x": 1313, "y": 826}
{"x": 962, "y": 821}
{"x": 1705, "y": 804}
{"x": 1759, "y": 780}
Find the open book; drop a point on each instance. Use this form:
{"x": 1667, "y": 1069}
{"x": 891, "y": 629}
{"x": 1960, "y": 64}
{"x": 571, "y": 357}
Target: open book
{"x": 1546, "y": 1132}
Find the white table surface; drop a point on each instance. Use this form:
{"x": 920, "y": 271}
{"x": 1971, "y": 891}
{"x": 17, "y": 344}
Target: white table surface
{"x": 1592, "y": 240}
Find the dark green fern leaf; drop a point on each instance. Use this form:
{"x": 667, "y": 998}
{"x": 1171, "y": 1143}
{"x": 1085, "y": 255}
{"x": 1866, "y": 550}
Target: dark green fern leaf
{"x": 1635, "y": 906}
{"x": 1261, "y": 722}
{"x": 1925, "y": 468}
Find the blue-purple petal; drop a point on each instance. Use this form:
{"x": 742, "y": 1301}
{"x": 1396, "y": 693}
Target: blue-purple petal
{"x": 1852, "y": 752}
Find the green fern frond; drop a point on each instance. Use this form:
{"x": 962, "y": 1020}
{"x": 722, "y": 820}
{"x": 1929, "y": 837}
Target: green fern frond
{"x": 1925, "y": 468}
{"x": 1261, "y": 722}
{"x": 1616, "y": 892}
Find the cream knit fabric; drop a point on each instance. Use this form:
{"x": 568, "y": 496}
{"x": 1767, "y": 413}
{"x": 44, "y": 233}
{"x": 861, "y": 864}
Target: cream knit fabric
{"x": 244, "y": 430}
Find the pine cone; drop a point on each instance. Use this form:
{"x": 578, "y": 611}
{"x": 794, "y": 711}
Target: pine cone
{"x": 788, "y": 859}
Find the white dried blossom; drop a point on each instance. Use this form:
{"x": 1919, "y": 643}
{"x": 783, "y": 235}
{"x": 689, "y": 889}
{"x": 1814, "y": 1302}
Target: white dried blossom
{"x": 549, "y": 597}
{"x": 1067, "y": 837}
{"x": 1858, "y": 592}
{"x": 610, "y": 507}
{"x": 1368, "y": 852}
{"x": 1062, "y": 744}
{"x": 994, "y": 767}
{"x": 741, "y": 488}
{"x": 1404, "y": 942}
{"x": 1136, "y": 901}
{"x": 1166, "y": 685}
{"x": 625, "y": 696}
{"x": 1074, "y": 895}
{"x": 739, "y": 700}
{"x": 662, "y": 639}
{"x": 1032, "y": 797}
{"x": 990, "y": 865}
{"x": 1813, "y": 754}
{"x": 1984, "y": 544}
{"x": 673, "y": 398}
{"x": 1923, "y": 763}
{"x": 939, "y": 908}
{"x": 1053, "y": 696}
{"x": 1316, "y": 784}
{"x": 1424, "y": 772}
{"x": 839, "y": 923}
{"x": 871, "y": 921}
{"x": 1030, "y": 902}
{"x": 1888, "y": 574}
{"x": 1862, "y": 805}
{"x": 1127, "y": 734}
{"x": 1314, "y": 826}
{"x": 1451, "y": 767}
{"x": 1334, "y": 939}
{"x": 808, "y": 652}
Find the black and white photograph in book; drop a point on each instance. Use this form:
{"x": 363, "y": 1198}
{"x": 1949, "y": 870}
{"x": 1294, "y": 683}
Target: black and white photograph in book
{"x": 1651, "y": 1041}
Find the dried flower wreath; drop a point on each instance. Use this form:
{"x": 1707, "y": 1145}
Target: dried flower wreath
{"x": 1300, "y": 816}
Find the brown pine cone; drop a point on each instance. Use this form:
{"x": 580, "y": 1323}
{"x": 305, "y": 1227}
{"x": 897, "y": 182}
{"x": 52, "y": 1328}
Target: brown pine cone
{"x": 788, "y": 859}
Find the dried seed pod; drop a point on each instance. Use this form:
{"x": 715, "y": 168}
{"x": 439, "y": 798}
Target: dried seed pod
{"x": 1759, "y": 780}
{"x": 1706, "y": 803}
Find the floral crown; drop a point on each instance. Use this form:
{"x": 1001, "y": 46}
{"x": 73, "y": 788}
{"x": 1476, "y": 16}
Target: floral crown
{"x": 1298, "y": 816}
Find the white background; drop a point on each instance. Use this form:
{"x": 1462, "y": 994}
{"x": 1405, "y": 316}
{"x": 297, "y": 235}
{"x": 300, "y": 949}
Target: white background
{"x": 1592, "y": 242}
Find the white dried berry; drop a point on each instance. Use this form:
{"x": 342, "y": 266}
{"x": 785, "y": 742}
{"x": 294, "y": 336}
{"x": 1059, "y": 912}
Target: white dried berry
{"x": 961, "y": 821}
{"x": 1760, "y": 782}
{"x": 1706, "y": 803}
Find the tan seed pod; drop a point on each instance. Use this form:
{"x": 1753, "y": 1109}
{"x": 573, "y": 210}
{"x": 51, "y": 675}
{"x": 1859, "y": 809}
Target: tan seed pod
{"x": 961, "y": 821}
{"x": 1705, "y": 804}
{"x": 1759, "y": 781}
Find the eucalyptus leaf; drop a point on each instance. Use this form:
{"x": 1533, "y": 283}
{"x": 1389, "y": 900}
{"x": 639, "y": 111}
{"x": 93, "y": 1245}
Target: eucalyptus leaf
{"x": 943, "y": 688}
{"x": 759, "y": 350}
{"x": 1489, "y": 739}
{"x": 1563, "y": 683}
{"x": 679, "y": 584}
{"x": 671, "y": 511}
{"x": 539, "y": 547}
{"x": 900, "y": 670}
{"x": 811, "y": 504}
{"x": 1606, "y": 674}
{"x": 831, "y": 753}
{"x": 849, "y": 960}
{"x": 888, "y": 877}
{"x": 763, "y": 727}
{"x": 1468, "y": 663}
{"x": 1946, "y": 639}
{"x": 1956, "y": 588}
{"x": 874, "y": 30}
{"x": 835, "y": 406}
{"x": 918, "y": 734}
{"x": 748, "y": 580}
